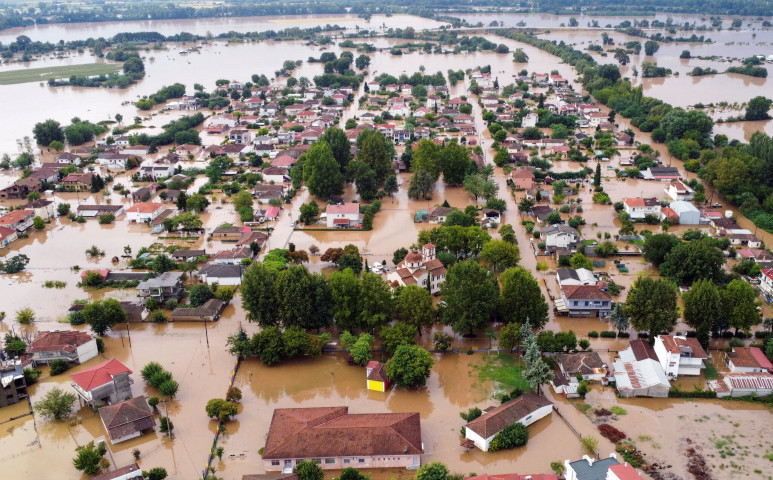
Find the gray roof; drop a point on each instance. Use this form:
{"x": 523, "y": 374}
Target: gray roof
{"x": 558, "y": 228}
{"x": 597, "y": 471}
{"x": 222, "y": 271}
{"x": 682, "y": 207}
{"x": 167, "y": 279}
{"x": 567, "y": 273}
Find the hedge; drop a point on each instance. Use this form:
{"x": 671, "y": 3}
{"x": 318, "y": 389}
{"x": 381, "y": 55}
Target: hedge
{"x": 674, "y": 393}
{"x": 608, "y": 334}
{"x": 593, "y": 334}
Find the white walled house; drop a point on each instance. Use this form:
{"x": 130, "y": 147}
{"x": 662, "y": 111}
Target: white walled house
{"x": 559, "y": 236}
{"x": 748, "y": 360}
{"x": 766, "y": 281}
{"x": 679, "y": 355}
{"x": 530, "y": 120}
{"x": 343, "y": 216}
{"x": 222, "y": 274}
{"x": 638, "y": 208}
{"x": 526, "y": 409}
{"x": 144, "y": 212}
{"x": 420, "y": 269}
{"x": 72, "y": 346}
{"x": 679, "y": 191}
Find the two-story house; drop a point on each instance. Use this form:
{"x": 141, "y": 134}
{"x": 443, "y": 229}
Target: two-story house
{"x": 421, "y": 269}
{"x": 679, "y": 355}
{"x": 103, "y": 384}
{"x": 18, "y": 220}
{"x": 166, "y": 286}
{"x": 586, "y": 300}
{"x": 679, "y": 191}
{"x": 241, "y": 136}
{"x": 638, "y": 208}
{"x": 343, "y": 216}
{"x": 559, "y": 237}
{"x": 72, "y": 346}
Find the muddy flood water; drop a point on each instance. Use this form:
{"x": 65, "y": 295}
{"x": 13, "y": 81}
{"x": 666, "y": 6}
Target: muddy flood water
{"x": 195, "y": 353}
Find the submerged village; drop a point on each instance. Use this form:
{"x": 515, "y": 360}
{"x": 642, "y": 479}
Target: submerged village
{"x": 435, "y": 250}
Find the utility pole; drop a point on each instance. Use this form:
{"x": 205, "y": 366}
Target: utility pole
{"x": 206, "y": 334}
{"x": 168, "y": 421}
{"x": 128, "y": 334}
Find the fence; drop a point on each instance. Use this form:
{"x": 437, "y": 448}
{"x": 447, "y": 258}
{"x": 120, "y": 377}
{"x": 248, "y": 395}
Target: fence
{"x": 219, "y": 424}
{"x": 571, "y": 427}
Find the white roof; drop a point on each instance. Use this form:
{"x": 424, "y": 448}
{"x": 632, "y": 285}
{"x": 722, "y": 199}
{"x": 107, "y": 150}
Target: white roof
{"x": 639, "y": 374}
{"x": 683, "y": 207}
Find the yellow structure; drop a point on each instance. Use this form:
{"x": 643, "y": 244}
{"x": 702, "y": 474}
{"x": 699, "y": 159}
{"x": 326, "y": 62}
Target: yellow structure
{"x": 377, "y": 379}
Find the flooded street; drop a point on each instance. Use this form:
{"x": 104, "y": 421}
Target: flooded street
{"x": 195, "y": 353}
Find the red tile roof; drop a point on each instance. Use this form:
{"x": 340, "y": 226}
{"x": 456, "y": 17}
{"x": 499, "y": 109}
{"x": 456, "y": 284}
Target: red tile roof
{"x": 673, "y": 345}
{"x": 334, "y": 432}
{"x": 625, "y": 472}
{"x": 585, "y": 292}
{"x": 99, "y": 375}
{"x": 145, "y": 207}
{"x": 15, "y": 216}
{"x": 125, "y": 418}
{"x": 67, "y": 340}
{"x": 119, "y": 472}
{"x": 345, "y": 208}
{"x": 750, "y": 357}
{"x": 496, "y": 419}
{"x": 6, "y": 232}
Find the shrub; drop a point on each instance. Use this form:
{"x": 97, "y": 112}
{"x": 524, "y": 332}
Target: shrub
{"x": 512, "y": 436}
{"x": 77, "y": 318}
{"x": 25, "y": 316}
{"x": 158, "y": 317}
{"x": 608, "y": 334}
{"x": 590, "y": 444}
{"x": 58, "y": 366}
{"x": 618, "y": 410}
{"x": 593, "y": 334}
{"x": 611, "y": 433}
{"x": 234, "y": 395}
{"x": 471, "y": 414}
{"x": 153, "y": 402}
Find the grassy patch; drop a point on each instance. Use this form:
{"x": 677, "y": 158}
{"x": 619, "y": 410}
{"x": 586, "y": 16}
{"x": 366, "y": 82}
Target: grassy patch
{"x": 46, "y": 73}
{"x": 618, "y": 410}
{"x": 710, "y": 372}
{"x": 505, "y": 370}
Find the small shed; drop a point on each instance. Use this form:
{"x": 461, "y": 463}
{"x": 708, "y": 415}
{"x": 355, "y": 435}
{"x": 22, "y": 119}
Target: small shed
{"x": 376, "y": 375}
{"x": 688, "y": 213}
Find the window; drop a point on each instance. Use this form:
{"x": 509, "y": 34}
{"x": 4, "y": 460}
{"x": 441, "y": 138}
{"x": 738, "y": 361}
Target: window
{"x": 346, "y": 460}
{"x": 317, "y": 461}
{"x": 275, "y": 463}
{"x": 361, "y": 460}
{"x": 329, "y": 461}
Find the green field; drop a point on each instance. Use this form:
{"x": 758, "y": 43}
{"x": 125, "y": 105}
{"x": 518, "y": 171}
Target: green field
{"x": 44, "y": 74}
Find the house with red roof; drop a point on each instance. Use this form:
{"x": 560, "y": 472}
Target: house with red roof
{"x": 103, "y": 384}
{"x": 343, "y": 216}
{"x": 69, "y": 345}
{"x": 679, "y": 355}
{"x": 526, "y": 409}
{"x": 144, "y": 212}
{"x": 126, "y": 420}
{"x": 376, "y": 376}
{"x": 18, "y": 220}
{"x": 339, "y": 439}
{"x": 748, "y": 360}
{"x": 422, "y": 269}
{"x": 129, "y": 472}
{"x": 7, "y": 236}
{"x": 638, "y": 208}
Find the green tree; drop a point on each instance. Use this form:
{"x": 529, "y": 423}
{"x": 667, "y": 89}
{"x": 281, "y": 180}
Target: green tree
{"x": 155, "y": 473}
{"x": 25, "y": 315}
{"x": 346, "y": 291}
{"x": 309, "y": 212}
{"x": 421, "y": 185}
{"x": 739, "y": 306}
{"x": 361, "y": 349}
{"x": 651, "y": 305}
{"x": 38, "y": 223}
{"x": 455, "y": 163}
{"x": 321, "y": 172}
{"x": 220, "y": 409}
{"x": 259, "y": 295}
{"x": 196, "y": 203}
{"x": 657, "y": 247}
{"x": 339, "y": 145}
{"x": 102, "y": 315}
{"x": 294, "y": 305}
{"x": 619, "y": 318}
{"x": 13, "y": 345}
{"x": 470, "y": 294}
{"x": 512, "y": 436}
{"x": 410, "y": 366}
{"x": 427, "y": 157}
{"x": 651, "y": 47}
{"x": 398, "y": 334}
{"x": 63, "y": 209}
{"x": 509, "y": 336}
{"x": 414, "y": 307}
{"x": 537, "y": 371}
{"x": 56, "y": 404}
{"x": 268, "y": 344}
{"x": 308, "y": 470}
{"x": 583, "y": 389}
{"x": 432, "y": 471}
{"x": 242, "y": 199}
{"x": 199, "y": 294}
{"x": 376, "y": 306}
{"x": 390, "y": 185}
{"x": 690, "y": 261}
{"x": 48, "y": 131}
{"x": 507, "y": 233}
{"x": 521, "y": 298}
{"x": 702, "y": 307}
{"x": 758, "y": 108}
{"x": 579, "y": 260}
{"x": 88, "y": 457}
{"x": 500, "y": 255}
{"x": 375, "y": 152}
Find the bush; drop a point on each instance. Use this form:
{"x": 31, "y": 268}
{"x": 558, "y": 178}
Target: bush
{"x": 611, "y": 433}
{"x": 153, "y": 402}
{"x": 512, "y": 436}
{"x": 158, "y": 317}
{"x": 593, "y": 334}
{"x": 234, "y": 395}
{"x": 77, "y": 318}
{"x": 676, "y": 393}
{"x": 58, "y": 366}
{"x": 608, "y": 334}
